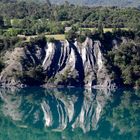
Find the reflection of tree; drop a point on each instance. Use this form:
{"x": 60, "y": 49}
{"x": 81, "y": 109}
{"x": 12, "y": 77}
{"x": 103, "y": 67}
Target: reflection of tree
{"x": 125, "y": 115}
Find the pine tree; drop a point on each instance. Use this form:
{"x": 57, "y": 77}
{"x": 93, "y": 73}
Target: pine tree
{"x": 1, "y": 21}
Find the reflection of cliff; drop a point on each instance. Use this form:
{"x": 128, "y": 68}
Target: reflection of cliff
{"x": 11, "y": 104}
{"x": 56, "y": 109}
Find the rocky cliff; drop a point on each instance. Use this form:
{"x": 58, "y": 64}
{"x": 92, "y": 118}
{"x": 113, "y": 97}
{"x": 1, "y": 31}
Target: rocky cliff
{"x": 61, "y": 63}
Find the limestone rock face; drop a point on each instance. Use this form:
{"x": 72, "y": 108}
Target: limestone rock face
{"x": 76, "y": 64}
{"x": 13, "y": 66}
{"x": 63, "y": 63}
{"x": 16, "y": 63}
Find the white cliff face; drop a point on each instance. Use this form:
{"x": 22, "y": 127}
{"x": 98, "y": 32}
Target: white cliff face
{"x": 78, "y": 60}
{"x": 64, "y": 64}
{"x": 84, "y": 56}
{"x": 76, "y": 64}
{"x": 49, "y": 55}
{"x": 71, "y": 59}
{"x": 99, "y": 61}
{"x": 64, "y": 53}
{"x": 98, "y": 55}
{"x": 88, "y": 62}
{"x": 63, "y": 57}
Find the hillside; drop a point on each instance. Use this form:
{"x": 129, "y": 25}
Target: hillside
{"x": 104, "y": 63}
{"x": 120, "y": 3}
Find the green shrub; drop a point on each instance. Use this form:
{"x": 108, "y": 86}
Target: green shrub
{"x": 2, "y": 65}
{"x": 51, "y": 39}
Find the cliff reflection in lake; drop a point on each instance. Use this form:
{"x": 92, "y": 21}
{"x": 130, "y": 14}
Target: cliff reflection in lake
{"x": 69, "y": 113}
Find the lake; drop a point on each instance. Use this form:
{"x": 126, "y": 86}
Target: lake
{"x": 69, "y": 114}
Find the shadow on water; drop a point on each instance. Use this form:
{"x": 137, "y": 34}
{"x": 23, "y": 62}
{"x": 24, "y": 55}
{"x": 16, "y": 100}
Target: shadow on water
{"x": 69, "y": 114}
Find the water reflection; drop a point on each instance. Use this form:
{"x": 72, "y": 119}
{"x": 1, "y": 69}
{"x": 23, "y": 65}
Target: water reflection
{"x": 75, "y": 112}
{"x": 56, "y": 109}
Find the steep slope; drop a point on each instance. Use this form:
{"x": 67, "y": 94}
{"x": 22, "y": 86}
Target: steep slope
{"x": 63, "y": 64}
{"x": 76, "y": 64}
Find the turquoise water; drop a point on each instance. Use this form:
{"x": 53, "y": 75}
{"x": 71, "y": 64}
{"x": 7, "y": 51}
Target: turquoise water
{"x": 69, "y": 114}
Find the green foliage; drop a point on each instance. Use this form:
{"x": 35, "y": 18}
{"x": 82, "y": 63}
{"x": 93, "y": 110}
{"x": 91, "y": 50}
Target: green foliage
{"x": 71, "y": 35}
{"x": 55, "y": 28}
{"x": 40, "y": 41}
{"x": 124, "y": 113}
{"x": 81, "y": 38}
{"x": 1, "y": 65}
{"x": 137, "y": 83}
{"x": 51, "y": 39}
{"x": 8, "y": 43}
{"x": 100, "y": 26}
{"x": 7, "y": 22}
{"x": 32, "y": 76}
{"x": 29, "y": 18}
{"x": 23, "y": 13}
{"x": 62, "y": 15}
{"x": 12, "y": 32}
{"x": 127, "y": 58}
{"x": 1, "y": 22}
{"x": 36, "y": 18}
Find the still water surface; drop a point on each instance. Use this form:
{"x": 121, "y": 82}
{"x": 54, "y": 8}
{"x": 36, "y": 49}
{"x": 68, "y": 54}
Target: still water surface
{"x": 69, "y": 114}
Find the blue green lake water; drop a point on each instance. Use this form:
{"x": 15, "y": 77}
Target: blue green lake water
{"x": 69, "y": 114}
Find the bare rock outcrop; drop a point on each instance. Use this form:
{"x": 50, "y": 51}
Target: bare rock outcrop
{"x": 64, "y": 64}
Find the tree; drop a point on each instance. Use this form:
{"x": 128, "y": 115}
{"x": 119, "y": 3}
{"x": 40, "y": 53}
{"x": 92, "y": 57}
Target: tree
{"x": 1, "y": 65}
{"x": 1, "y": 21}
{"x": 100, "y": 27}
{"x": 62, "y": 15}
{"x": 7, "y": 22}
{"x": 71, "y": 35}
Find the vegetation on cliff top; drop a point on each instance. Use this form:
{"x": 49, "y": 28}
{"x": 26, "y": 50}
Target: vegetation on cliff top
{"x": 36, "y": 18}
